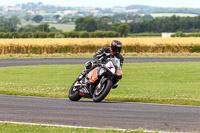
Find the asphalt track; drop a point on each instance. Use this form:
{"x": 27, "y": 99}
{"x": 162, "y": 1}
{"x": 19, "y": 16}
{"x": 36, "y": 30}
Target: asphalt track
{"x": 105, "y": 114}
{"x": 62, "y": 61}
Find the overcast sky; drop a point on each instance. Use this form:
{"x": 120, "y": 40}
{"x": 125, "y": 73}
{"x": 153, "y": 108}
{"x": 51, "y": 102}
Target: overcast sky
{"x": 110, "y": 3}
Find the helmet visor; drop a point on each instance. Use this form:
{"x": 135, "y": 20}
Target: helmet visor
{"x": 116, "y": 49}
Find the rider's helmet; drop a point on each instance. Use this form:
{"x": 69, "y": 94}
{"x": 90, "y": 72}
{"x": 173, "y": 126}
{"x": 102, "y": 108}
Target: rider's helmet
{"x": 115, "y": 46}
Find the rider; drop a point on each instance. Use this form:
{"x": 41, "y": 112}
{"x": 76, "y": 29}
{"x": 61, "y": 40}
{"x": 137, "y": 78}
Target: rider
{"x": 101, "y": 56}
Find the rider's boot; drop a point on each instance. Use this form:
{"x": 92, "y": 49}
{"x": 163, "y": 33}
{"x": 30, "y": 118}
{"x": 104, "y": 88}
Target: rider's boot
{"x": 82, "y": 75}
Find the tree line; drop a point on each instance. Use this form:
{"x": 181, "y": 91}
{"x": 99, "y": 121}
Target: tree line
{"x": 90, "y": 24}
{"x": 104, "y": 23}
{"x": 156, "y": 25}
{"x": 167, "y": 24}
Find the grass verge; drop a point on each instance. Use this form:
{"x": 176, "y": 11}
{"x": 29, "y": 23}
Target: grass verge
{"x": 26, "y": 128}
{"x": 168, "y": 83}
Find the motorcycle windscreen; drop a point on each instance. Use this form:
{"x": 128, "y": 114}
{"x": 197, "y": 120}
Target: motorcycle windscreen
{"x": 93, "y": 75}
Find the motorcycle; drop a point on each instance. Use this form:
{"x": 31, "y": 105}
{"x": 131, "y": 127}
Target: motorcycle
{"x": 98, "y": 83}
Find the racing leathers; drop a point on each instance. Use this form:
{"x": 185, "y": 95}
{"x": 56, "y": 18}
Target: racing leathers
{"x": 101, "y": 56}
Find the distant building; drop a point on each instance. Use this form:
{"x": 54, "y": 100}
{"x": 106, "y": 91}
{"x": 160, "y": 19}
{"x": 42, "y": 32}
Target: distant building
{"x": 122, "y": 21}
{"x": 118, "y": 10}
{"x": 30, "y": 12}
{"x": 41, "y": 11}
{"x": 93, "y": 11}
{"x": 70, "y": 11}
{"x": 132, "y": 10}
{"x": 167, "y": 35}
{"x": 126, "y": 21}
{"x": 6, "y": 8}
{"x": 59, "y": 12}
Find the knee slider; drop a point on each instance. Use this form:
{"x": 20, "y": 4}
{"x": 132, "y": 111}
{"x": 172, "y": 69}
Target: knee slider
{"x": 88, "y": 65}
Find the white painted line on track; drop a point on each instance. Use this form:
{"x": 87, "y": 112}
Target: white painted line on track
{"x": 68, "y": 126}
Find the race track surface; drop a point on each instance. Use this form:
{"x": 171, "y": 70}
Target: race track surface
{"x": 105, "y": 115}
{"x": 24, "y": 62}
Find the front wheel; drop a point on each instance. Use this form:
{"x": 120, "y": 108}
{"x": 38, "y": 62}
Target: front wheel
{"x": 101, "y": 92}
{"x": 73, "y": 93}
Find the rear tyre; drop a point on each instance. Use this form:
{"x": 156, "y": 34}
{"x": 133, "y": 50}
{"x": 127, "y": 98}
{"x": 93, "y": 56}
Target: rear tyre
{"x": 101, "y": 93}
{"x": 73, "y": 93}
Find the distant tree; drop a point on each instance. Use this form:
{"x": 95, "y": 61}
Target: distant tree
{"x": 56, "y": 17}
{"x": 180, "y": 34}
{"x": 104, "y": 23}
{"x": 28, "y": 28}
{"x": 80, "y": 24}
{"x": 75, "y": 17}
{"x": 53, "y": 29}
{"x": 14, "y": 21}
{"x": 115, "y": 26}
{"x": 64, "y": 20}
{"x": 86, "y": 24}
{"x": 27, "y": 17}
{"x": 7, "y": 29}
{"x": 134, "y": 27}
{"x": 116, "y": 18}
{"x": 37, "y": 18}
{"x": 147, "y": 17}
{"x": 124, "y": 29}
{"x": 43, "y": 27}
{"x": 9, "y": 24}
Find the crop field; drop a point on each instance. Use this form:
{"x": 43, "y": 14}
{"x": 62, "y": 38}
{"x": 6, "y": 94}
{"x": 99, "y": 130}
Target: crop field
{"x": 91, "y": 45}
{"x": 102, "y": 41}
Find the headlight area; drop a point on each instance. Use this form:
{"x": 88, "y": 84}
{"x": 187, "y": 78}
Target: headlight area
{"x": 119, "y": 74}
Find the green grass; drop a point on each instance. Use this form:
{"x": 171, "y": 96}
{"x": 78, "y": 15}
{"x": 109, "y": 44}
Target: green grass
{"x": 25, "y": 128}
{"x": 63, "y": 27}
{"x": 168, "y": 83}
{"x": 144, "y": 34}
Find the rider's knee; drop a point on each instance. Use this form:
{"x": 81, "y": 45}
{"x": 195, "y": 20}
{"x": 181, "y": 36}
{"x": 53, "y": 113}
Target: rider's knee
{"x": 89, "y": 65}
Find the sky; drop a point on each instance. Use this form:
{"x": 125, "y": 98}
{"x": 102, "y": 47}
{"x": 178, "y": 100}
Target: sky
{"x": 110, "y": 3}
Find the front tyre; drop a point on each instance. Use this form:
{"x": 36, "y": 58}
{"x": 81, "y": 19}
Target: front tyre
{"x": 73, "y": 93}
{"x": 102, "y": 92}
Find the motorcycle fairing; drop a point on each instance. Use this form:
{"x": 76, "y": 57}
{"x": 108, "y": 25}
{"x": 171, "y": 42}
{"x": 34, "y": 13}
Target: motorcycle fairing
{"x": 85, "y": 91}
{"x": 109, "y": 65}
{"x": 93, "y": 75}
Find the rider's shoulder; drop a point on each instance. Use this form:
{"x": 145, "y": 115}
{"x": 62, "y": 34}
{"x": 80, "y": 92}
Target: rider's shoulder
{"x": 119, "y": 56}
{"x": 107, "y": 50}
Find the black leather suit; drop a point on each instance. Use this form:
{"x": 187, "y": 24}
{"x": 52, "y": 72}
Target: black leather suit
{"x": 104, "y": 53}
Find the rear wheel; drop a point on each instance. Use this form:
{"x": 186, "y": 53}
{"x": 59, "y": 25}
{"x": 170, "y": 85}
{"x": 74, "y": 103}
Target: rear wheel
{"x": 101, "y": 92}
{"x": 73, "y": 93}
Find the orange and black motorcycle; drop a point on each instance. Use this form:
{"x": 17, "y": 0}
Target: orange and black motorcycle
{"x": 98, "y": 83}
